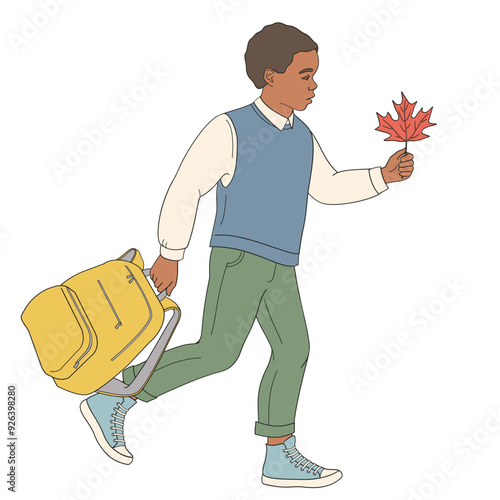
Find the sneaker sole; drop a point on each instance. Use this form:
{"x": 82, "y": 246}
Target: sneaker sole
{"x": 99, "y": 435}
{"x": 304, "y": 483}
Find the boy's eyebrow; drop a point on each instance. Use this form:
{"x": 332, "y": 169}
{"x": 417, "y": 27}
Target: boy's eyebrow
{"x": 305, "y": 70}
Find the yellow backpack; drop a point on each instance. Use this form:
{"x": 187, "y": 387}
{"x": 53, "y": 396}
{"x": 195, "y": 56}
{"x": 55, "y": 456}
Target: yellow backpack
{"x": 91, "y": 327}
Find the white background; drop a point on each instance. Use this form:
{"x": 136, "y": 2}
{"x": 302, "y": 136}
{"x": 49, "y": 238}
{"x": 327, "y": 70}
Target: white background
{"x": 392, "y": 257}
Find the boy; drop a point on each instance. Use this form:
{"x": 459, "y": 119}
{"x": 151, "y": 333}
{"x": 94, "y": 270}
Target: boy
{"x": 265, "y": 162}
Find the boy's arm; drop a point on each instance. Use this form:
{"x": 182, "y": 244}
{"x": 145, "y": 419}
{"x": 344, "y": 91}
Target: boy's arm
{"x": 347, "y": 186}
{"x": 210, "y": 158}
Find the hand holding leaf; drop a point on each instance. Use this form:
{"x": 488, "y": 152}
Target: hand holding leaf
{"x": 399, "y": 167}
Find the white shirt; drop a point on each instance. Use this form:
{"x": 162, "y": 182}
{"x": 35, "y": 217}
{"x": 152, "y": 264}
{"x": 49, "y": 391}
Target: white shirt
{"x": 212, "y": 157}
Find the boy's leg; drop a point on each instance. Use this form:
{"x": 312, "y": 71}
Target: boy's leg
{"x": 235, "y": 288}
{"x": 282, "y": 320}
{"x": 281, "y": 317}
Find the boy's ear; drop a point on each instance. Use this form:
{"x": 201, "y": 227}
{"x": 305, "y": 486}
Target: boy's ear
{"x": 269, "y": 76}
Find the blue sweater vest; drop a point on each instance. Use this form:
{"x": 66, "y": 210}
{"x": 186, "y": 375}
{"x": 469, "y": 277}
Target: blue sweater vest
{"x": 263, "y": 209}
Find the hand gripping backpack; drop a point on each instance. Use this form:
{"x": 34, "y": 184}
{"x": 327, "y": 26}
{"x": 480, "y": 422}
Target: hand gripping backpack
{"x": 87, "y": 330}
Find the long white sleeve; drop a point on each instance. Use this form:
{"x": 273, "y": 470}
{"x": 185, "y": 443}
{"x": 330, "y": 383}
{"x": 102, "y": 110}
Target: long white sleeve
{"x": 210, "y": 158}
{"x": 347, "y": 186}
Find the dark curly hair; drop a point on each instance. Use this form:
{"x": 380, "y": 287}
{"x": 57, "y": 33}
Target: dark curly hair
{"x": 274, "y": 47}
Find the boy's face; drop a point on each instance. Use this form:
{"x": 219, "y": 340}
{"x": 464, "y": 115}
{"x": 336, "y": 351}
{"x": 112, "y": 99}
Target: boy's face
{"x": 295, "y": 87}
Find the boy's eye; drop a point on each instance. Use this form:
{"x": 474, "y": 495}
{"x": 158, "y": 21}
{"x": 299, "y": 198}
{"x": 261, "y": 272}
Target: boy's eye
{"x": 306, "y": 77}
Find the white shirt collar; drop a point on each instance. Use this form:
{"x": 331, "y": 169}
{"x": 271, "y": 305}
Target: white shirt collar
{"x": 279, "y": 121}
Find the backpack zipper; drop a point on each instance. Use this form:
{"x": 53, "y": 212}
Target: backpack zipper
{"x": 88, "y": 328}
{"x": 111, "y": 305}
{"x": 131, "y": 279}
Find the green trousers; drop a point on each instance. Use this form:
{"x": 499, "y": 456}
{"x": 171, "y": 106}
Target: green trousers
{"x": 242, "y": 288}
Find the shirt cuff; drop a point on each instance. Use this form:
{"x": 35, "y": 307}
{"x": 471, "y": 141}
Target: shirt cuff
{"x": 377, "y": 179}
{"x": 170, "y": 254}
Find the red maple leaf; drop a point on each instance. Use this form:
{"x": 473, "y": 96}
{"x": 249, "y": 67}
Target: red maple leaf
{"x": 406, "y": 127}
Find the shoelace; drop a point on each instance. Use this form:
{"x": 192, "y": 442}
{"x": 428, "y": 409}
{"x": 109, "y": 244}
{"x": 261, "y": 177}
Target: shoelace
{"x": 119, "y": 437}
{"x": 296, "y": 452}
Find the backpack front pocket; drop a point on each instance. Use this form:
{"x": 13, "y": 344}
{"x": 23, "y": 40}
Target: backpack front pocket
{"x": 60, "y": 330}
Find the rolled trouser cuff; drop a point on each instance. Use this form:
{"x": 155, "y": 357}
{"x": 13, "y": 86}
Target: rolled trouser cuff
{"x": 128, "y": 377}
{"x": 274, "y": 430}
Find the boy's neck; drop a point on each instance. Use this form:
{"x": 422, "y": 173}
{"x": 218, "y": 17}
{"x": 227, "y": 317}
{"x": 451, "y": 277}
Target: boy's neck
{"x": 274, "y": 103}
